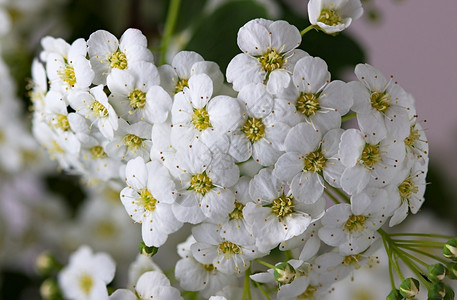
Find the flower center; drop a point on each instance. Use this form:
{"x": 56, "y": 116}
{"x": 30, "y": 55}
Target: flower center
{"x": 118, "y": 60}
{"x": 68, "y": 75}
{"x": 329, "y": 17}
{"x": 283, "y": 206}
{"x": 413, "y": 136}
{"x": 380, "y": 101}
{"x": 271, "y": 60}
{"x": 201, "y": 183}
{"x": 181, "y": 84}
{"x": 371, "y": 155}
{"x": 147, "y": 200}
{"x": 55, "y": 149}
{"x": 132, "y": 142}
{"x": 406, "y": 188}
{"x": 237, "y": 213}
{"x": 315, "y": 162}
{"x": 137, "y": 99}
{"x": 309, "y": 293}
{"x": 308, "y": 104}
{"x": 352, "y": 260}
{"x": 355, "y": 223}
{"x": 85, "y": 283}
{"x": 99, "y": 110}
{"x": 228, "y": 249}
{"x": 200, "y": 119}
{"x": 61, "y": 122}
{"x": 97, "y": 152}
{"x": 209, "y": 267}
{"x": 105, "y": 229}
{"x": 254, "y": 129}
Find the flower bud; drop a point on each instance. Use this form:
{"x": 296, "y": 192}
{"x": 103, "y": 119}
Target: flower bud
{"x": 440, "y": 291}
{"x": 46, "y": 263}
{"x": 437, "y": 272}
{"x": 147, "y": 251}
{"x": 452, "y": 271}
{"x": 284, "y": 273}
{"x": 49, "y": 290}
{"x": 450, "y": 249}
{"x": 394, "y": 295}
{"x": 409, "y": 288}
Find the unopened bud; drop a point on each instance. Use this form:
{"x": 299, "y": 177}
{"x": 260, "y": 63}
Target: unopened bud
{"x": 46, "y": 264}
{"x": 440, "y": 291}
{"x": 409, "y": 288}
{"x": 284, "y": 273}
{"x": 450, "y": 249}
{"x": 49, "y": 290}
{"x": 394, "y": 295}
{"x": 452, "y": 271}
{"x": 437, "y": 272}
{"x": 147, "y": 251}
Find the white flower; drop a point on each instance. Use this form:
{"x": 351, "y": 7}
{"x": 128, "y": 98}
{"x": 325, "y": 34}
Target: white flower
{"x": 276, "y": 215}
{"x": 148, "y": 198}
{"x": 261, "y": 133}
{"x": 226, "y": 256}
{"x": 382, "y": 106}
{"x": 155, "y": 285}
{"x": 94, "y": 106}
{"x": 416, "y": 143}
{"x": 39, "y": 85}
{"x": 136, "y": 95}
{"x": 408, "y": 189}
{"x": 130, "y": 141}
{"x": 334, "y": 16}
{"x": 106, "y": 52}
{"x": 69, "y": 70}
{"x": 309, "y": 157}
{"x": 175, "y": 77}
{"x": 195, "y": 276}
{"x": 86, "y": 275}
{"x": 368, "y": 159}
{"x": 269, "y": 54}
{"x": 352, "y": 227}
{"x": 309, "y": 239}
{"x": 313, "y": 98}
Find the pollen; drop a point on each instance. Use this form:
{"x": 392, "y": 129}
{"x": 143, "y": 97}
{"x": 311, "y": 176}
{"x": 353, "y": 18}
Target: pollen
{"x": 254, "y": 129}
{"x": 413, "y": 136}
{"x": 200, "y": 119}
{"x": 314, "y": 162}
{"x": 68, "y": 75}
{"x": 97, "y": 152}
{"x": 132, "y": 142}
{"x": 228, "y": 249}
{"x": 209, "y": 267}
{"x": 371, "y": 155}
{"x": 99, "y": 110}
{"x": 61, "y": 122}
{"x": 380, "y": 101}
{"x": 271, "y": 60}
{"x": 146, "y": 200}
{"x": 137, "y": 99}
{"x": 118, "y": 60}
{"x": 181, "y": 84}
{"x": 283, "y": 206}
{"x": 309, "y": 292}
{"x": 355, "y": 223}
{"x": 329, "y": 17}
{"x": 352, "y": 260}
{"x": 406, "y": 188}
{"x": 308, "y": 104}
{"x": 201, "y": 183}
{"x": 237, "y": 213}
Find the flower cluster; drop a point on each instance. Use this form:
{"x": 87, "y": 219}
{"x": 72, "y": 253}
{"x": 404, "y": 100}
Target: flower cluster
{"x": 254, "y": 165}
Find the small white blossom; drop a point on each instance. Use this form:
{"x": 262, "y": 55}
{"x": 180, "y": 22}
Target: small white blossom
{"x": 334, "y": 16}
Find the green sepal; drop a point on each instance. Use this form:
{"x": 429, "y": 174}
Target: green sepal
{"x": 394, "y": 295}
{"x": 409, "y": 288}
{"x": 147, "y": 251}
{"x": 440, "y": 291}
{"x": 437, "y": 272}
{"x": 450, "y": 249}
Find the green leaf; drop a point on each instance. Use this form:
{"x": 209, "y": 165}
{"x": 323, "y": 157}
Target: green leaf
{"x": 214, "y": 37}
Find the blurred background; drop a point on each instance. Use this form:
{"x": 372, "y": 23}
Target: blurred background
{"x": 44, "y": 209}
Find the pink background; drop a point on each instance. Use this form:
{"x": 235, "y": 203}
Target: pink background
{"x": 417, "y": 43}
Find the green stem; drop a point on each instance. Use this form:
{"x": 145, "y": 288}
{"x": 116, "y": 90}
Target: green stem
{"x": 437, "y": 258}
{"x": 332, "y": 197}
{"x": 416, "y": 270}
{"x": 406, "y": 254}
{"x": 288, "y": 254}
{"x": 341, "y": 194}
{"x": 247, "y": 285}
{"x": 389, "y": 255}
{"x": 170, "y": 23}
{"x": 304, "y": 31}
{"x": 348, "y": 117}
{"x": 262, "y": 290}
{"x": 441, "y": 236}
{"x": 418, "y": 245}
{"x": 265, "y": 264}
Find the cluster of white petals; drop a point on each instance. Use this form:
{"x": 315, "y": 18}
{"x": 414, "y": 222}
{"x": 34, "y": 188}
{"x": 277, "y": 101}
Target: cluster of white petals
{"x": 264, "y": 165}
